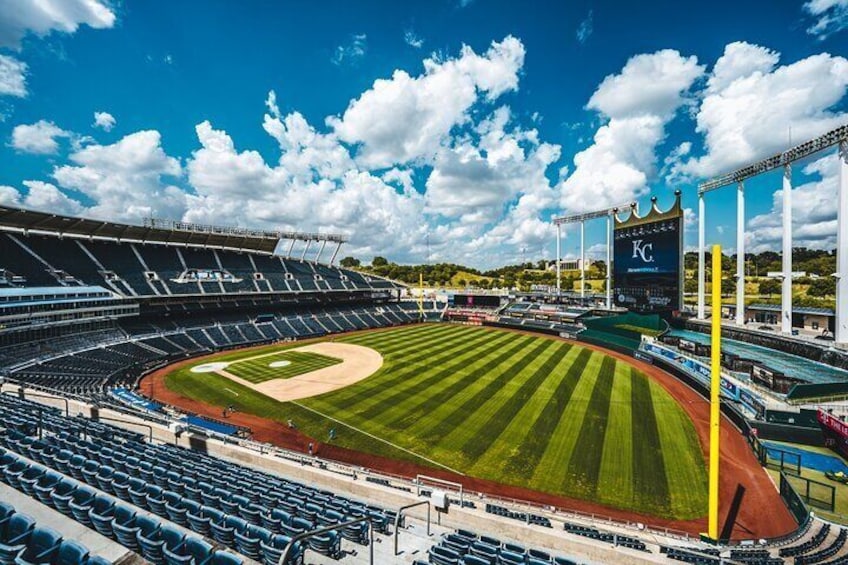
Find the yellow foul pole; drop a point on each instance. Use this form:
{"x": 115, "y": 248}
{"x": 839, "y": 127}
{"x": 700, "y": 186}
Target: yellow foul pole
{"x": 420, "y": 296}
{"x": 715, "y": 392}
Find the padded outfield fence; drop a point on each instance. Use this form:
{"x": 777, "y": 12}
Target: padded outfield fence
{"x": 776, "y": 458}
{"x": 813, "y": 493}
{"x": 794, "y": 502}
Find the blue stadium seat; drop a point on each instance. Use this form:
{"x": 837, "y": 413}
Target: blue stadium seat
{"x": 223, "y": 530}
{"x": 61, "y": 497}
{"x": 443, "y": 556}
{"x": 328, "y": 544}
{"x": 14, "y": 472}
{"x": 42, "y": 545}
{"x": 29, "y": 478}
{"x": 101, "y": 513}
{"x": 149, "y": 539}
{"x": 199, "y": 518}
{"x": 247, "y": 541}
{"x": 125, "y": 527}
{"x": 14, "y": 535}
{"x": 484, "y": 550}
{"x": 81, "y": 501}
{"x": 225, "y": 558}
{"x": 510, "y": 558}
{"x": 273, "y": 551}
{"x": 45, "y": 485}
{"x": 70, "y": 553}
{"x": 192, "y": 551}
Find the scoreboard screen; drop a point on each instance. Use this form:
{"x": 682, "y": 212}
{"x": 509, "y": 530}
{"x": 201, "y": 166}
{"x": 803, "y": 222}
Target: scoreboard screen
{"x": 648, "y": 263}
{"x": 478, "y": 300}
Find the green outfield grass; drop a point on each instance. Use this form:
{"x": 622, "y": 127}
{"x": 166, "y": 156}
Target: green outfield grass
{"x": 258, "y": 369}
{"x": 519, "y": 409}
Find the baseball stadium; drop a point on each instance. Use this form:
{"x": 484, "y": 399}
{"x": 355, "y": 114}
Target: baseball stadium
{"x": 172, "y": 381}
{"x": 238, "y": 385}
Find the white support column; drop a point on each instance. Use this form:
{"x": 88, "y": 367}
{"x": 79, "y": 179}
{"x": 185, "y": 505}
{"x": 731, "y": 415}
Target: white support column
{"x": 291, "y": 248}
{"x": 786, "y": 294}
{"x": 701, "y": 244}
{"x": 740, "y": 254}
{"x": 559, "y": 259}
{"x": 609, "y": 263}
{"x": 320, "y": 250}
{"x": 582, "y": 261}
{"x": 842, "y": 248}
{"x": 336, "y": 252}
{"x": 305, "y": 249}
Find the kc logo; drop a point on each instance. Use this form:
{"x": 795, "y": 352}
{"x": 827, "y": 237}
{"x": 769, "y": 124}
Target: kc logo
{"x": 643, "y": 250}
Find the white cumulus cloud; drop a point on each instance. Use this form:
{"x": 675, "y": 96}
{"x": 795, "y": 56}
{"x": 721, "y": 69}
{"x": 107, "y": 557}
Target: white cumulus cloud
{"x": 636, "y": 104}
{"x": 12, "y": 77}
{"x": 40, "y": 196}
{"x": 104, "y": 121}
{"x": 408, "y": 118}
{"x": 239, "y": 187}
{"x": 17, "y": 18}
{"x": 813, "y": 213}
{"x": 127, "y": 180}
{"x": 751, "y": 103}
{"x": 38, "y": 138}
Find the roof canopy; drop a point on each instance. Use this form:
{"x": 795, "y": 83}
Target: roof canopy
{"x": 155, "y": 231}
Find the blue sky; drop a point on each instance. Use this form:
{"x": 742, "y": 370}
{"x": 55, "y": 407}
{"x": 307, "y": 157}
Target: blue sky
{"x": 468, "y": 123}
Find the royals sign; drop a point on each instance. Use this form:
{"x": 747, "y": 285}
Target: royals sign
{"x": 647, "y": 268}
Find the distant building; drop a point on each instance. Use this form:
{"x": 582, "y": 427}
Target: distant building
{"x": 566, "y": 265}
{"x": 814, "y": 319}
{"x": 795, "y": 275}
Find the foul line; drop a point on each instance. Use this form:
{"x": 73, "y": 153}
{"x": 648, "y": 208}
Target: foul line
{"x": 377, "y": 438}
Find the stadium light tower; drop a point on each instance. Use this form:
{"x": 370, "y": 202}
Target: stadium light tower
{"x": 841, "y": 247}
{"x": 838, "y": 137}
{"x": 581, "y": 219}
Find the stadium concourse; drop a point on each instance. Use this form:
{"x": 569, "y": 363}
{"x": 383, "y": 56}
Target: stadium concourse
{"x": 87, "y": 308}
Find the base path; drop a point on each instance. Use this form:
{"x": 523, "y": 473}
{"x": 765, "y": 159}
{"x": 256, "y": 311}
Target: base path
{"x": 761, "y": 512}
{"x": 358, "y": 363}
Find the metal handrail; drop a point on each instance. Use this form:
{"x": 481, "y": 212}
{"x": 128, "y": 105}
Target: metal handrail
{"x": 285, "y": 555}
{"x": 106, "y": 418}
{"x": 399, "y": 515}
{"x": 23, "y": 393}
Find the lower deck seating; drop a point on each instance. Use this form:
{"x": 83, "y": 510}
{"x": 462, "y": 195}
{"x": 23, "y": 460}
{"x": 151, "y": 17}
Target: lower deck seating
{"x": 526, "y": 517}
{"x": 105, "y": 482}
{"x": 464, "y": 547}
{"x": 91, "y": 367}
{"x": 23, "y": 541}
{"x": 616, "y": 539}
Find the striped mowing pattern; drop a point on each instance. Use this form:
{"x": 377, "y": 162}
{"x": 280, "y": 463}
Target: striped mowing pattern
{"x": 529, "y": 411}
{"x": 258, "y": 370}
{"x": 514, "y": 408}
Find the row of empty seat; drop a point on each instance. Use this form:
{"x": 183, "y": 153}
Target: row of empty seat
{"x": 252, "y": 512}
{"x": 159, "y": 542}
{"x": 24, "y": 542}
{"x": 465, "y": 547}
{"x": 84, "y": 366}
{"x": 132, "y": 269}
